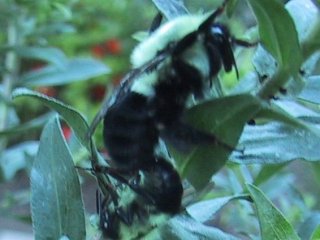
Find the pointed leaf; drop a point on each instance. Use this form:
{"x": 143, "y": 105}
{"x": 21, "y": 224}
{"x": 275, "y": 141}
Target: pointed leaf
{"x": 28, "y": 126}
{"x": 297, "y": 136}
{"x": 273, "y": 224}
{"x": 316, "y": 234}
{"x": 48, "y": 54}
{"x": 288, "y": 112}
{"x": 171, "y": 8}
{"x": 307, "y": 21}
{"x": 56, "y": 201}
{"x": 276, "y": 142}
{"x": 75, "y": 120}
{"x": 309, "y": 225}
{"x": 267, "y": 172}
{"x": 73, "y": 70}
{"x": 15, "y": 158}
{"x": 225, "y": 118}
{"x": 205, "y": 210}
{"x": 181, "y": 227}
{"x": 279, "y": 37}
{"x": 277, "y": 32}
{"x": 311, "y": 90}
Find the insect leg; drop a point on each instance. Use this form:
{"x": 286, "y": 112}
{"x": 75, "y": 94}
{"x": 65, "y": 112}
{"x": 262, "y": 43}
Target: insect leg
{"x": 116, "y": 174}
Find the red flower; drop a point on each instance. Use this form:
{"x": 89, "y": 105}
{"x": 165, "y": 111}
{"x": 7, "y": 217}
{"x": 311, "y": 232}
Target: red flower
{"x": 38, "y": 65}
{"x": 49, "y": 91}
{"x": 66, "y": 132}
{"x": 98, "y": 51}
{"x": 113, "y": 46}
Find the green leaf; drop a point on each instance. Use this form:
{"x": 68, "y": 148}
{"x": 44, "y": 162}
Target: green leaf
{"x": 54, "y": 28}
{"x": 267, "y": 172}
{"x": 74, "y": 119}
{"x": 273, "y": 224}
{"x": 296, "y": 135}
{"x": 56, "y": 201}
{"x": 279, "y": 37}
{"x": 205, "y": 210}
{"x": 48, "y": 54}
{"x": 264, "y": 63}
{"x": 226, "y": 123}
{"x": 28, "y": 126}
{"x": 64, "y": 10}
{"x": 307, "y": 21}
{"x": 15, "y": 158}
{"x": 171, "y": 8}
{"x": 181, "y": 227}
{"x": 315, "y": 166}
{"x": 311, "y": 91}
{"x": 311, "y": 44}
{"x": 231, "y": 6}
{"x": 73, "y": 70}
{"x": 277, "y": 32}
{"x": 276, "y": 142}
{"x": 296, "y": 109}
{"x": 316, "y": 234}
{"x": 309, "y": 226}
{"x": 275, "y": 113}
{"x": 305, "y": 15}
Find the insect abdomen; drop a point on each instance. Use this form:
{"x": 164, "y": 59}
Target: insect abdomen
{"x": 129, "y": 133}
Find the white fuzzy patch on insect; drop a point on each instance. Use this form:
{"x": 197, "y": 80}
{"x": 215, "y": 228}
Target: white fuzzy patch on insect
{"x": 145, "y": 84}
{"x": 171, "y": 31}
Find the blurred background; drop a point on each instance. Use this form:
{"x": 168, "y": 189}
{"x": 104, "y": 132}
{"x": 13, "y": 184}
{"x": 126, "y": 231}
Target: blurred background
{"x": 93, "y": 37}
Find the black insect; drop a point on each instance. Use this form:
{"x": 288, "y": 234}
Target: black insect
{"x": 159, "y": 190}
{"x": 109, "y": 221}
{"x": 177, "y": 62}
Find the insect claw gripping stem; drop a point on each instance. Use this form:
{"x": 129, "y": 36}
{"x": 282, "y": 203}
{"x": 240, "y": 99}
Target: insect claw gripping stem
{"x": 104, "y": 186}
{"x": 115, "y": 174}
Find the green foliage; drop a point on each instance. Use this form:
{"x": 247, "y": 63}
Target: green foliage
{"x": 48, "y": 43}
{"x": 273, "y": 224}
{"x": 56, "y": 201}
{"x": 226, "y": 126}
{"x": 72, "y": 70}
{"x": 70, "y": 115}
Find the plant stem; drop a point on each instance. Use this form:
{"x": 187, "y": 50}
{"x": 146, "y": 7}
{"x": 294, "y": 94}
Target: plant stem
{"x": 9, "y": 76}
{"x": 272, "y": 86}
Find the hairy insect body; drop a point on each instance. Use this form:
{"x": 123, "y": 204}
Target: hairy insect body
{"x": 159, "y": 190}
{"x": 170, "y": 32}
{"x": 130, "y": 134}
{"x": 152, "y": 105}
{"x": 163, "y": 184}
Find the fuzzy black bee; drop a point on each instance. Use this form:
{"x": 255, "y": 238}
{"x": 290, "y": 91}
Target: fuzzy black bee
{"x": 178, "y": 61}
{"x": 153, "y": 104}
{"x": 160, "y": 190}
